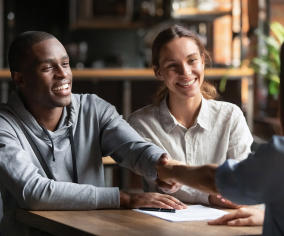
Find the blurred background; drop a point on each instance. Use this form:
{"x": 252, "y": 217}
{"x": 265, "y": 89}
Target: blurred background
{"x": 109, "y": 44}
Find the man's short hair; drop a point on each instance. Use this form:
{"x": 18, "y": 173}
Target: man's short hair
{"x": 21, "y": 46}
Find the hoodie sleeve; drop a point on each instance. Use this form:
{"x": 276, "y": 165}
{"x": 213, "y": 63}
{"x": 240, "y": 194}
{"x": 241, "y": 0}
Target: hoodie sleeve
{"x": 25, "y": 181}
{"x": 125, "y": 145}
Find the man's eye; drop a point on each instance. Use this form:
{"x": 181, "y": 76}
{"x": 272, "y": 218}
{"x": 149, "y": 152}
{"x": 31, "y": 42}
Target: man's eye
{"x": 47, "y": 68}
{"x": 171, "y": 66}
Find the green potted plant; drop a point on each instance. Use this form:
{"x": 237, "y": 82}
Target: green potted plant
{"x": 267, "y": 64}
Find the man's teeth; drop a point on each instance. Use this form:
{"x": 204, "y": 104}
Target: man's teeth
{"x": 64, "y": 86}
{"x": 188, "y": 83}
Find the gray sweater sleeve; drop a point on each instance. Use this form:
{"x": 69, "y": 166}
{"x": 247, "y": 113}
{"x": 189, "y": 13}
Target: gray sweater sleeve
{"x": 24, "y": 179}
{"x": 126, "y": 146}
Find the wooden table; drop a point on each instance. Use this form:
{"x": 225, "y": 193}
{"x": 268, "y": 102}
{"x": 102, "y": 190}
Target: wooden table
{"x": 121, "y": 222}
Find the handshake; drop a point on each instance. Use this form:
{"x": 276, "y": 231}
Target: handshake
{"x": 173, "y": 174}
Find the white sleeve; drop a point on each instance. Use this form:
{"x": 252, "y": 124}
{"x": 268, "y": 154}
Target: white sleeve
{"x": 240, "y": 137}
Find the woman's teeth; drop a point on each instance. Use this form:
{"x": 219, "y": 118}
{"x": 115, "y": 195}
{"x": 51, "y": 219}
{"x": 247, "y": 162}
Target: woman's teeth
{"x": 188, "y": 83}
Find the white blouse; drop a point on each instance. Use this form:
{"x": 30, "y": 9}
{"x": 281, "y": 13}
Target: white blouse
{"x": 220, "y": 132}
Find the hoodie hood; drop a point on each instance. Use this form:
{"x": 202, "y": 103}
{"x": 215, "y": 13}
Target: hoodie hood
{"x": 68, "y": 117}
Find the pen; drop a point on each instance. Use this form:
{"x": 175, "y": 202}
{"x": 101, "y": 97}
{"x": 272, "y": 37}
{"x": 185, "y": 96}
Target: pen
{"x": 157, "y": 209}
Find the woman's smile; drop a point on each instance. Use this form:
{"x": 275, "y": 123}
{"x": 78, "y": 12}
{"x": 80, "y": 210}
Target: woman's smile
{"x": 186, "y": 84}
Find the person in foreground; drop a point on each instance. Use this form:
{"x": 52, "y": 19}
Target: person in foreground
{"x": 257, "y": 179}
{"x": 186, "y": 120}
{"x": 250, "y": 216}
{"x": 52, "y": 141}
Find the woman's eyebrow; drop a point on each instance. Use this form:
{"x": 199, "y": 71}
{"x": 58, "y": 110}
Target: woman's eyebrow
{"x": 192, "y": 54}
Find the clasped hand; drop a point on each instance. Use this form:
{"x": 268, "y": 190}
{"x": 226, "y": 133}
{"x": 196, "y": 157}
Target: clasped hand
{"x": 164, "y": 181}
{"x": 167, "y": 169}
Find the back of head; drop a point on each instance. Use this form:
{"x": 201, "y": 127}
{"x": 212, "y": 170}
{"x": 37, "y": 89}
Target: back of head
{"x": 21, "y": 46}
{"x": 282, "y": 87}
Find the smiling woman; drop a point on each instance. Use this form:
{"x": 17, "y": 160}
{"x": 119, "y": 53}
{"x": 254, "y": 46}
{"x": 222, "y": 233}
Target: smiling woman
{"x": 186, "y": 121}
{"x": 197, "y": 59}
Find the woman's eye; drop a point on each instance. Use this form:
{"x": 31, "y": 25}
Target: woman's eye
{"x": 65, "y": 64}
{"x": 193, "y": 60}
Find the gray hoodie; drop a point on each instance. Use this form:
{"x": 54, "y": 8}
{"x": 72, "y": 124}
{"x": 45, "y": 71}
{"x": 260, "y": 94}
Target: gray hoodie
{"x": 37, "y": 167}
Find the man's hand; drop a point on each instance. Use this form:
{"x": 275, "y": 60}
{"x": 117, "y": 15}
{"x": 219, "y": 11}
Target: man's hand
{"x": 245, "y": 216}
{"x": 165, "y": 181}
{"x": 168, "y": 188}
{"x": 199, "y": 177}
{"x": 217, "y": 200}
{"x": 136, "y": 200}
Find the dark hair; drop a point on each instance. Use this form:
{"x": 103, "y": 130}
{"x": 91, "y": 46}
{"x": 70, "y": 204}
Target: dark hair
{"x": 21, "y": 46}
{"x": 281, "y": 103}
{"x": 164, "y": 37}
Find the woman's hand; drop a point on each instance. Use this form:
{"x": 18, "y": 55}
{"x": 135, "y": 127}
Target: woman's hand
{"x": 245, "y": 216}
{"x": 217, "y": 200}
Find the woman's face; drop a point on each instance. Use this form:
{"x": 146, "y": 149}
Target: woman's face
{"x": 181, "y": 67}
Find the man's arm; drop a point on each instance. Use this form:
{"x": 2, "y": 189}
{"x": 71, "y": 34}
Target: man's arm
{"x": 199, "y": 177}
{"x": 251, "y": 181}
{"x": 130, "y": 150}
{"x": 25, "y": 181}
{"x": 22, "y": 175}
{"x": 120, "y": 141}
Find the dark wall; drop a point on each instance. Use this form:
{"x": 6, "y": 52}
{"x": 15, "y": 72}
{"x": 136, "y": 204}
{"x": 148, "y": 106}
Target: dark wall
{"x": 24, "y": 15}
{"x": 108, "y": 47}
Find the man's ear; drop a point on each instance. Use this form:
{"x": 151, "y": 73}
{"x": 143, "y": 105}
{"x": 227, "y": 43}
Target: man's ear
{"x": 17, "y": 78}
{"x": 157, "y": 72}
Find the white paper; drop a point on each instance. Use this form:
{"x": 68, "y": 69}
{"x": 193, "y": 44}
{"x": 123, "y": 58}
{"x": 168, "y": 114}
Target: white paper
{"x": 192, "y": 213}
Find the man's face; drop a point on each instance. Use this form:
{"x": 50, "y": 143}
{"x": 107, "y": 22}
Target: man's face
{"x": 46, "y": 78}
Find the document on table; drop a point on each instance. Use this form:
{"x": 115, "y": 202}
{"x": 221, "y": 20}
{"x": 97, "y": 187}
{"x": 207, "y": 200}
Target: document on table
{"x": 191, "y": 213}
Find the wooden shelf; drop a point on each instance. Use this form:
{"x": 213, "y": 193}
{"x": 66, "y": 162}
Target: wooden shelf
{"x": 196, "y": 14}
{"x": 146, "y": 74}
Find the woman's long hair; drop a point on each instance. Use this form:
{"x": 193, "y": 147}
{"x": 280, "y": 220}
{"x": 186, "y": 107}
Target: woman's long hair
{"x": 176, "y": 31}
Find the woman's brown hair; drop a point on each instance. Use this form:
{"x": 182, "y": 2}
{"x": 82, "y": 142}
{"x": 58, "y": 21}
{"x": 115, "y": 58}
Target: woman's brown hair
{"x": 177, "y": 31}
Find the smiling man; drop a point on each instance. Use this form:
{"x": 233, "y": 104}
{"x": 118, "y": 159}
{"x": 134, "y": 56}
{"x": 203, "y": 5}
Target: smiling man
{"x": 52, "y": 141}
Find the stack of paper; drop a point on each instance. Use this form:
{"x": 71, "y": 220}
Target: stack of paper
{"x": 192, "y": 213}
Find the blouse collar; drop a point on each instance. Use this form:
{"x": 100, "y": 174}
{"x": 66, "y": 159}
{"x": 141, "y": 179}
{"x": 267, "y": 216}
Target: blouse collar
{"x": 169, "y": 122}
